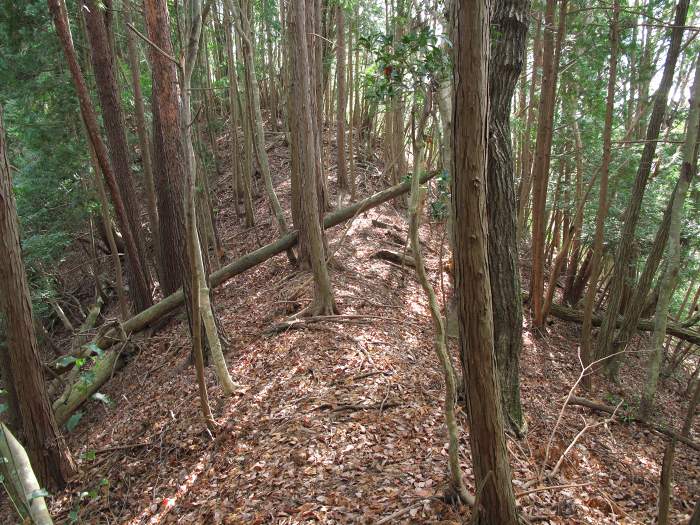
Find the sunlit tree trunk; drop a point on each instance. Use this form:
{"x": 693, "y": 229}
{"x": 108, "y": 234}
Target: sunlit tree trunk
{"x": 473, "y": 288}
{"x": 310, "y": 227}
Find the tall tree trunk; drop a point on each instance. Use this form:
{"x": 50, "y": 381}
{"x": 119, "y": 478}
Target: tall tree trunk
{"x": 310, "y": 230}
{"x": 351, "y": 109}
{"x": 343, "y": 184}
{"x": 526, "y": 163}
{"x": 102, "y": 56}
{"x": 623, "y": 255}
{"x": 510, "y": 21}
{"x": 48, "y": 452}
{"x": 253, "y": 99}
{"x": 543, "y": 149}
{"x": 670, "y": 276}
{"x": 168, "y": 154}
{"x": 140, "y": 285}
{"x": 597, "y": 250}
{"x": 144, "y": 143}
{"x": 241, "y": 187}
{"x": 473, "y": 288}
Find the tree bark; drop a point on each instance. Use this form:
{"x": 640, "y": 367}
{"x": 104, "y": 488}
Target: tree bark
{"x": 202, "y": 311}
{"x": 323, "y": 302}
{"x": 510, "y": 21}
{"x": 168, "y": 150}
{"x": 144, "y": 142}
{"x": 253, "y": 99}
{"x": 102, "y": 57}
{"x": 543, "y": 149}
{"x": 473, "y": 288}
{"x": 60, "y": 19}
{"x": 343, "y": 184}
{"x": 49, "y": 454}
{"x": 670, "y": 276}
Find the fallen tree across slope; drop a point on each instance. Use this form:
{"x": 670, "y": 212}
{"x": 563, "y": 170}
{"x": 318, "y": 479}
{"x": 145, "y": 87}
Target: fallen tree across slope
{"x": 105, "y": 365}
{"x": 645, "y": 325}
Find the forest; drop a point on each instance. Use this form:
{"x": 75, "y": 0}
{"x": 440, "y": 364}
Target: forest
{"x": 349, "y": 261}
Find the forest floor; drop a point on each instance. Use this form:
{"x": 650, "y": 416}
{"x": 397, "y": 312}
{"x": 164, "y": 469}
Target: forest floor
{"x": 341, "y": 421}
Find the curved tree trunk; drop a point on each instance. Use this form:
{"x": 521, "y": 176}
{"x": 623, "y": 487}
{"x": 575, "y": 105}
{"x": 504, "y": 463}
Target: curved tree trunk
{"x": 509, "y": 20}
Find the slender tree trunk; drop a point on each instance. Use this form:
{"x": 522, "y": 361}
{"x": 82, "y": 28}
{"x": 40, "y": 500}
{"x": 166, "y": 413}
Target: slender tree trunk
{"x": 253, "y": 92}
{"x": 509, "y": 19}
{"x": 140, "y": 286}
{"x": 114, "y": 252}
{"x": 48, "y": 452}
{"x": 102, "y": 56}
{"x": 669, "y": 278}
{"x": 526, "y": 164}
{"x": 415, "y": 212}
{"x": 144, "y": 143}
{"x": 473, "y": 288}
{"x": 205, "y": 310}
{"x": 241, "y": 189}
{"x": 623, "y": 255}
{"x": 351, "y": 118}
{"x": 343, "y": 184}
{"x": 323, "y": 302}
{"x": 543, "y": 148}
{"x": 597, "y": 249}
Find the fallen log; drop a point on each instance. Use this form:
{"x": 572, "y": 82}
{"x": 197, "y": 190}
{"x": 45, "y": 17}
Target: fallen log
{"x": 107, "y": 363}
{"x": 395, "y": 257}
{"x": 20, "y": 480}
{"x": 645, "y": 325}
{"x": 653, "y": 426}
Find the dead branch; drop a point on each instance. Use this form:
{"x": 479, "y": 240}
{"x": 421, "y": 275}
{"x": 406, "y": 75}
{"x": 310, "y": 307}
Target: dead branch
{"x": 653, "y": 426}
